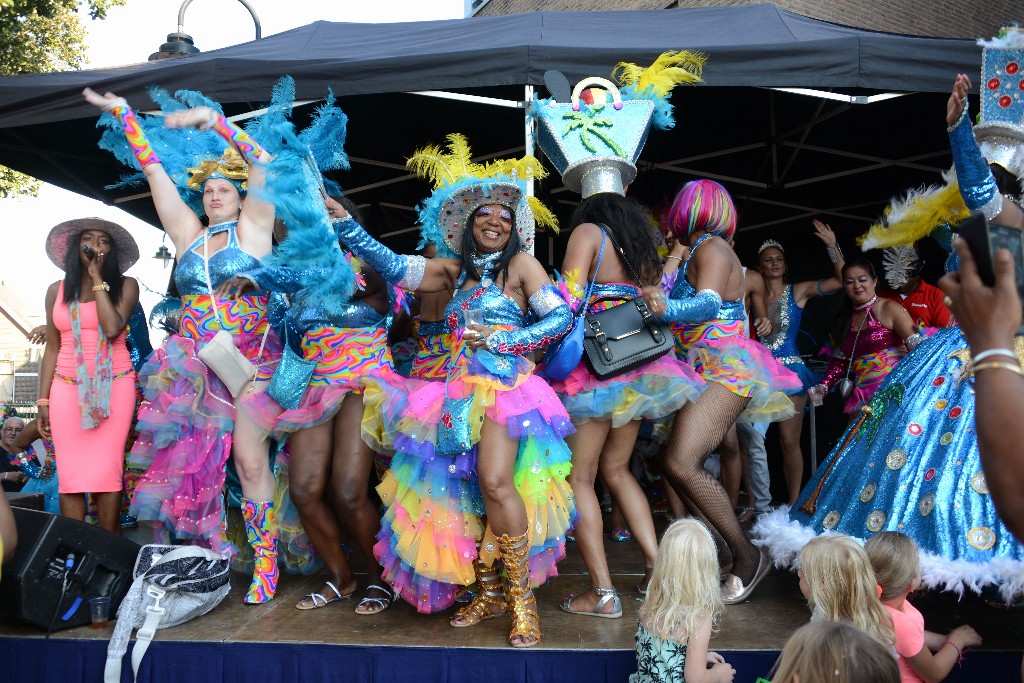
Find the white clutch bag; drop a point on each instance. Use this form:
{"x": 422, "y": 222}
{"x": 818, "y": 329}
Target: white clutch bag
{"x": 229, "y": 364}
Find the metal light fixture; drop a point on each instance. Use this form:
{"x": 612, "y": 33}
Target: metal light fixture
{"x": 180, "y": 44}
{"x": 164, "y": 254}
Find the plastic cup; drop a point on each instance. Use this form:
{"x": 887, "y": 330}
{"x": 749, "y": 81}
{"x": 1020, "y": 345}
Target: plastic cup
{"x": 99, "y": 610}
{"x": 817, "y": 395}
{"x": 473, "y": 316}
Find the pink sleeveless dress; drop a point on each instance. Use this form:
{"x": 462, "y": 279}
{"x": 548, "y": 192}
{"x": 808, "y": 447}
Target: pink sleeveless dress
{"x": 89, "y": 460}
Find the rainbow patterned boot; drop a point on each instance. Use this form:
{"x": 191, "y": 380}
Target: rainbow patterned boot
{"x": 261, "y": 530}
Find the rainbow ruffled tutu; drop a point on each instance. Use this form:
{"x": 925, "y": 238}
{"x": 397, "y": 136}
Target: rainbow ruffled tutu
{"x": 434, "y": 517}
{"x": 653, "y": 391}
{"x": 186, "y": 420}
{"x": 349, "y": 360}
{"x": 720, "y": 351}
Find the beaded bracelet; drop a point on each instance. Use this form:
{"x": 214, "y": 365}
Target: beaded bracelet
{"x": 991, "y": 365}
{"x": 677, "y": 258}
{"x": 43, "y": 402}
{"x": 993, "y": 352}
{"x": 959, "y": 652}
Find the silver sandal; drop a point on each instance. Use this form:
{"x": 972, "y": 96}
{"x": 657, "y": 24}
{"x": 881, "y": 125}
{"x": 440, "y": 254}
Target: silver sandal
{"x": 608, "y": 595}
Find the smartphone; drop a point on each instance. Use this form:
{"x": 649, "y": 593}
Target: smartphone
{"x": 985, "y": 239}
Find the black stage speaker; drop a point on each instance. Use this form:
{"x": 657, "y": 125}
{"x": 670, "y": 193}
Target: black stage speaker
{"x": 101, "y": 563}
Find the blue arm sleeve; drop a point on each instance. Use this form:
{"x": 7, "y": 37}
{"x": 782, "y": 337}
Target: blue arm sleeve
{"x": 977, "y": 186}
{"x": 405, "y": 271}
{"x": 555, "y": 320}
{"x": 276, "y": 278}
{"x": 696, "y": 309}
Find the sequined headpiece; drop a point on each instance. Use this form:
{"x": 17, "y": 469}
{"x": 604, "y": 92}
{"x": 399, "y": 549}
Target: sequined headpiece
{"x": 230, "y": 166}
{"x": 595, "y": 140}
{"x": 770, "y": 244}
{"x": 461, "y": 186}
{"x": 1000, "y": 131}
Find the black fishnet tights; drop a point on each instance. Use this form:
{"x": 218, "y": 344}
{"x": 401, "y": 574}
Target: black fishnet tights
{"x": 699, "y": 427}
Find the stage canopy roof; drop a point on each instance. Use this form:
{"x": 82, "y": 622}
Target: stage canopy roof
{"x": 786, "y": 156}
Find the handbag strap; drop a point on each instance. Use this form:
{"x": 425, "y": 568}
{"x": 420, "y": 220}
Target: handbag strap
{"x": 622, "y": 254}
{"x": 213, "y": 300}
{"x": 593, "y": 281}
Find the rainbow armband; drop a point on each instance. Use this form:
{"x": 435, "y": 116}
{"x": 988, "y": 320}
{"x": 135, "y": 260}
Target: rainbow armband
{"x": 239, "y": 139}
{"x": 134, "y": 134}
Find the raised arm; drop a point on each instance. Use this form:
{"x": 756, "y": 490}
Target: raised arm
{"x": 408, "y": 272}
{"x": 802, "y": 291}
{"x": 179, "y": 221}
{"x": 256, "y": 220}
{"x": 977, "y": 184}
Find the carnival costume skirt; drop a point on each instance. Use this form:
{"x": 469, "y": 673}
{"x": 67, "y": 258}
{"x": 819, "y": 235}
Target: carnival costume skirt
{"x": 911, "y": 466}
{"x": 808, "y": 378}
{"x": 352, "y": 360}
{"x": 186, "y": 421}
{"x": 434, "y": 518}
{"x": 653, "y": 391}
{"x": 720, "y": 351}
{"x": 868, "y": 372}
{"x": 430, "y": 360}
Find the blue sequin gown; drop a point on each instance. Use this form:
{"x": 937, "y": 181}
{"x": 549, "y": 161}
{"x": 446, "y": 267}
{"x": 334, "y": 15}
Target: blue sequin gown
{"x": 912, "y": 466}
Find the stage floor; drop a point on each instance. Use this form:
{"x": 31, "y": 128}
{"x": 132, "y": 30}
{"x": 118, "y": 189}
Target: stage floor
{"x": 763, "y": 623}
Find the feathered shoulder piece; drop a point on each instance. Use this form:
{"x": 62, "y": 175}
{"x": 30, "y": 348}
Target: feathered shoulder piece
{"x": 916, "y": 214}
{"x": 656, "y": 81}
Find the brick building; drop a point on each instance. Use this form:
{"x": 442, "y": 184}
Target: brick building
{"x": 19, "y": 360}
{"x": 962, "y": 19}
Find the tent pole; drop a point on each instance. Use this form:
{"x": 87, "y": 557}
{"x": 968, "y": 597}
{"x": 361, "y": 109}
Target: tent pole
{"x": 530, "y": 134}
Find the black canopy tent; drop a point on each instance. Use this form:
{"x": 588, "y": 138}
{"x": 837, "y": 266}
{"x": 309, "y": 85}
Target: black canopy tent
{"x": 786, "y": 156}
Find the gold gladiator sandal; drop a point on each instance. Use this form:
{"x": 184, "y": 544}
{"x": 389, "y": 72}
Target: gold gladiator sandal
{"x": 489, "y": 601}
{"x": 515, "y": 553}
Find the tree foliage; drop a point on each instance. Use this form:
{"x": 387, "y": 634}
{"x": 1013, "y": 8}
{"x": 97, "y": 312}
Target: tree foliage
{"x": 39, "y": 36}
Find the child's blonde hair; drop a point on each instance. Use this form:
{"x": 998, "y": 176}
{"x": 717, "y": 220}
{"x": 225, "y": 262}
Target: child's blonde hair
{"x": 836, "y": 652}
{"x": 685, "y": 585}
{"x": 894, "y": 558}
{"x": 843, "y": 586}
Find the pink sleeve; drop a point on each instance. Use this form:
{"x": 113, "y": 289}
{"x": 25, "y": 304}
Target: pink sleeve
{"x": 909, "y": 631}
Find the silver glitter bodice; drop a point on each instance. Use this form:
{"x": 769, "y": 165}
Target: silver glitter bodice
{"x": 190, "y": 275}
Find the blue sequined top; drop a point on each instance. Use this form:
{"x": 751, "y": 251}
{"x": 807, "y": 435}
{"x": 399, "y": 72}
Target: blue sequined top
{"x": 785, "y": 317}
{"x": 683, "y": 290}
{"x": 190, "y": 274}
{"x": 498, "y": 307}
{"x": 618, "y": 291}
{"x": 428, "y": 328}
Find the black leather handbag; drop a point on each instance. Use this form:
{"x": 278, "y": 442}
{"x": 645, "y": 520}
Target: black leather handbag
{"x": 626, "y": 336}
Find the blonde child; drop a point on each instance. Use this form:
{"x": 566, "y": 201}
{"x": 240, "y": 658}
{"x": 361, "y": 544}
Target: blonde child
{"x": 837, "y": 579}
{"x": 683, "y": 603}
{"x": 923, "y": 655}
{"x": 835, "y": 652}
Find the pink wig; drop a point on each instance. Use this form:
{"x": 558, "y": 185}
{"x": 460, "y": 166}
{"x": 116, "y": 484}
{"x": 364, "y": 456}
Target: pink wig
{"x": 703, "y": 205}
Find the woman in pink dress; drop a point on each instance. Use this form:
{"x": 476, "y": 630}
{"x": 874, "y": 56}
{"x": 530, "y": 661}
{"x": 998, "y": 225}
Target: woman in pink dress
{"x": 86, "y": 380}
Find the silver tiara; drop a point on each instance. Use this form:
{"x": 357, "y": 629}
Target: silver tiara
{"x": 768, "y": 245}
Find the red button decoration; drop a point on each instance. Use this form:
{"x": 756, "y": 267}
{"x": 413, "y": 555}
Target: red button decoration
{"x": 956, "y": 412}
{"x": 1005, "y": 101}
{"x": 930, "y": 474}
{"x": 939, "y": 381}
{"x": 993, "y": 84}
{"x": 915, "y": 429}
{"x": 1012, "y": 68}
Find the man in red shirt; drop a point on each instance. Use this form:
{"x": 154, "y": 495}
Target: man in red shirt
{"x": 923, "y": 301}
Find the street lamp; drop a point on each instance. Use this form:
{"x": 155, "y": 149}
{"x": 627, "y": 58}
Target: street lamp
{"x": 180, "y": 44}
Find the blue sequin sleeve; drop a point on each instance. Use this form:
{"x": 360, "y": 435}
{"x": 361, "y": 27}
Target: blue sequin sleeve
{"x": 701, "y": 307}
{"x": 977, "y": 186}
{"x": 555, "y": 319}
{"x": 391, "y": 266}
{"x": 276, "y": 278}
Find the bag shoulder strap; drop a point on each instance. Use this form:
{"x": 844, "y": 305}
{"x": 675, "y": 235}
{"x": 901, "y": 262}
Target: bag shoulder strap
{"x": 593, "y": 280}
{"x": 213, "y": 301}
{"x": 622, "y": 254}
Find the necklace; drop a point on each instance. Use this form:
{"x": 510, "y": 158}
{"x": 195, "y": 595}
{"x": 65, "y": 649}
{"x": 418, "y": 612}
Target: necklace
{"x": 866, "y": 305}
{"x": 483, "y": 263}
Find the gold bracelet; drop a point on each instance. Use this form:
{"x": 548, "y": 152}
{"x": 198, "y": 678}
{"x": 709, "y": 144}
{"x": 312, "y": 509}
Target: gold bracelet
{"x": 677, "y": 258}
{"x": 103, "y": 285}
{"x": 990, "y": 365}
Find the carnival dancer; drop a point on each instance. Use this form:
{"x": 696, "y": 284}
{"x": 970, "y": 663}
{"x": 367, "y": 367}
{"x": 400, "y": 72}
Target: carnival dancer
{"x": 744, "y": 381}
{"x": 786, "y": 303}
{"x": 611, "y": 245}
{"x": 86, "y": 370}
{"x": 910, "y": 463}
{"x": 873, "y": 334}
{"x": 188, "y": 426}
{"x": 481, "y": 464}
